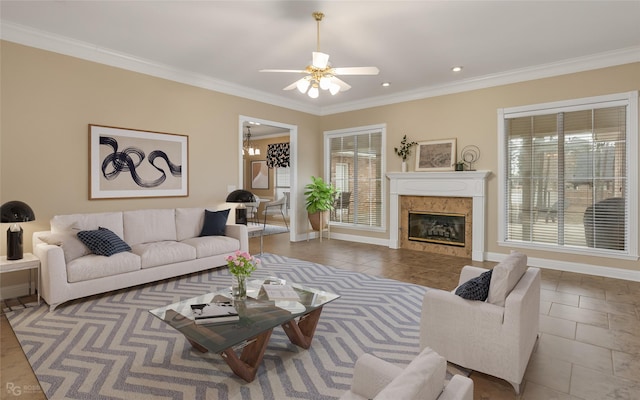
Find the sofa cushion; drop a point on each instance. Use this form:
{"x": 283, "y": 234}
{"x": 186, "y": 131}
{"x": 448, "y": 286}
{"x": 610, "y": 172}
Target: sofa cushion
{"x": 103, "y": 242}
{"x": 505, "y": 276}
{"x": 476, "y": 288}
{"x": 68, "y": 240}
{"x": 215, "y": 223}
{"x": 423, "y": 379}
{"x": 87, "y": 222}
{"x": 94, "y": 266}
{"x": 189, "y": 222}
{"x": 145, "y": 226}
{"x": 162, "y": 253}
{"x": 207, "y": 246}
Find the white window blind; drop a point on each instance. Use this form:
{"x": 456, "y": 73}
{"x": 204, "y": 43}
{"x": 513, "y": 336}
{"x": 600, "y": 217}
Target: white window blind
{"x": 565, "y": 173}
{"x": 355, "y": 163}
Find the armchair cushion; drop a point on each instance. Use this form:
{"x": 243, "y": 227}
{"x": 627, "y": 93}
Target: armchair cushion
{"x": 423, "y": 379}
{"x": 505, "y": 276}
{"x": 476, "y": 288}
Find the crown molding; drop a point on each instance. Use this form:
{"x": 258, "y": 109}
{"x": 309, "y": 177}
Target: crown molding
{"x": 59, "y": 44}
{"x": 602, "y": 60}
{"x": 63, "y": 45}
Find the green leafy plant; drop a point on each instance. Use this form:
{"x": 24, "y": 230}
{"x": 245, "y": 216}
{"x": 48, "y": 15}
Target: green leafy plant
{"x": 242, "y": 263}
{"x": 320, "y": 195}
{"x": 405, "y": 148}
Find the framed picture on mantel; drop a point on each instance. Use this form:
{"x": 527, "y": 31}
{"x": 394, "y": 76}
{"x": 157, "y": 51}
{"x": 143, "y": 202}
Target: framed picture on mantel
{"x": 436, "y": 155}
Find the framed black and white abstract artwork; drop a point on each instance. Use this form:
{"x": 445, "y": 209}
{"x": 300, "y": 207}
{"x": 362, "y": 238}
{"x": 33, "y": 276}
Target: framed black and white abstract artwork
{"x": 126, "y": 163}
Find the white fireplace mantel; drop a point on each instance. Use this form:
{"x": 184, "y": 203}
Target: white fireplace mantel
{"x": 443, "y": 184}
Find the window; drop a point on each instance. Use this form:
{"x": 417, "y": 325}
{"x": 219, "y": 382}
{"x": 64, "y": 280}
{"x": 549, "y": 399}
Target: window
{"x": 568, "y": 173}
{"x": 354, "y": 161}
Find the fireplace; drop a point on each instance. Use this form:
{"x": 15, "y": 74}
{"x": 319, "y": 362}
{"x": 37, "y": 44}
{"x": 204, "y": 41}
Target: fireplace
{"x": 441, "y": 228}
{"x": 461, "y": 192}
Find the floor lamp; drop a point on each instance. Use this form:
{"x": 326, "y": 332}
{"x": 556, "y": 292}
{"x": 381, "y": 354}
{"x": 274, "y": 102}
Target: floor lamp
{"x": 14, "y": 212}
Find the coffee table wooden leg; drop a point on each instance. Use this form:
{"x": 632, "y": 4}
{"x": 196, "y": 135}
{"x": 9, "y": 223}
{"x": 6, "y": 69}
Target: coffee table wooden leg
{"x": 197, "y": 346}
{"x": 246, "y": 366}
{"x": 301, "y": 332}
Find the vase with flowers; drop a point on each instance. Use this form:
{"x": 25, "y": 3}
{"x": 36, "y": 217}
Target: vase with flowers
{"x": 241, "y": 265}
{"x": 404, "y": 151}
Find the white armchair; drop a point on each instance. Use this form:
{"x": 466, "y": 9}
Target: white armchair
{"x": 423, "y": 379}
{"x": 494, "y": 339}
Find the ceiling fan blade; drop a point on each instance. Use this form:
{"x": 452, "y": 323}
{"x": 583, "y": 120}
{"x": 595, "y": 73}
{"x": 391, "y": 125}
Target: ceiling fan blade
{"x": 294, "y": 85}
{"x": 344, "y": 86}
{"x": 297, "y": 71}
{"x": 319, "y": 60}
{"x": 356, "y": 71}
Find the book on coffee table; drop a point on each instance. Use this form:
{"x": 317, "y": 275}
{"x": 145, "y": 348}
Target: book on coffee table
{"x": 214, "y": 313}
{"x": 280, "y": 292}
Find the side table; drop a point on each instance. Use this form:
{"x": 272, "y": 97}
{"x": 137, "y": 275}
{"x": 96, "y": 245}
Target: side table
{"x": 257, "y": 228}
{"x": 28, "y": 261}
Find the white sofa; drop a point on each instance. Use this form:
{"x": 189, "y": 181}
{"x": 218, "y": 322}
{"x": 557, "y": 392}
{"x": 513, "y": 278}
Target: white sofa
{"x": 496, "y": 336}
{"x": 422, "y": 379}
{"x": 164, "y": 243}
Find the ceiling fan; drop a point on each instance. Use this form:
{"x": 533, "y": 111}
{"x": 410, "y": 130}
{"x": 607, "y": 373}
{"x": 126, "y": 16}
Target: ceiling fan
{"x": 320, "y": 74}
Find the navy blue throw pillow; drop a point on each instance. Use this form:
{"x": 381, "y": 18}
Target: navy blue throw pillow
{"x": 215, "y": 223}
{"x": 476, "y": 288}
{"x": 103, "y": 242}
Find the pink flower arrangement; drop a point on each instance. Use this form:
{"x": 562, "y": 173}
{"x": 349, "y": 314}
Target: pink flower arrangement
{"x": 242, "y": 263}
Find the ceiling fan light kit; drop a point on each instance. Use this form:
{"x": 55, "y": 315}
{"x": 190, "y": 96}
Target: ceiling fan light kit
{"x": 320, "y": 74}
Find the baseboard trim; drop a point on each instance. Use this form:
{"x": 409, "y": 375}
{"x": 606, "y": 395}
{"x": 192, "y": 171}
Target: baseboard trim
{"x": 597, "y": 270}
{"x": 14, "y": 291}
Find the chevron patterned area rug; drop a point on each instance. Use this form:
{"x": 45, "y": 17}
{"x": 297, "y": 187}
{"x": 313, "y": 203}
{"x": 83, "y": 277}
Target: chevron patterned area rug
{"x": 110, "y": 346}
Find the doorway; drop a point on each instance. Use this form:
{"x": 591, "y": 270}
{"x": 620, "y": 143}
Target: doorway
{"x": 261, "y": 129}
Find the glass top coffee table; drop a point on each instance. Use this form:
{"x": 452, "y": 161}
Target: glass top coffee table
{"x": 250, "y": 334}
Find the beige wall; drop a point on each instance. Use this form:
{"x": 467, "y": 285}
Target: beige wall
{"x": 49, "y": 99}
{"x": 471, "y": 118}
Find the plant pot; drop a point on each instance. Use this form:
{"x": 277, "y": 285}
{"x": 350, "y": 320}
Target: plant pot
{"x": 314, "y": 219}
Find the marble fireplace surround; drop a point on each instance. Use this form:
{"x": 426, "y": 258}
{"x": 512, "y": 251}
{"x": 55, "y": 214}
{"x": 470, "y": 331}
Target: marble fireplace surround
{"x": 440, "y": 184}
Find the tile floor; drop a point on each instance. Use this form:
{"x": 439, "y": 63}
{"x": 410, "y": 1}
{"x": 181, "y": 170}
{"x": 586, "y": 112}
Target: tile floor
{"x": 589, "y": 345}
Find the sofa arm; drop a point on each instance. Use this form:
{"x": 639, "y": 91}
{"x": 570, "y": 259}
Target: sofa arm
{"x": 371, "y": 375}
{"x": 53, "y": 271}
{"x": 459, "y": 388}
{"x": 238, "y": 231}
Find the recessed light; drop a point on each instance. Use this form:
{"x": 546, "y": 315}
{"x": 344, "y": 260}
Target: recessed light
{"x": 456, "y": 69}
{"x": 386, "y": 84}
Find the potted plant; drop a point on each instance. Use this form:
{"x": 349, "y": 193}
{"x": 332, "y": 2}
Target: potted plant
{"x": 320, "y": 197}
{"x": 404, "y": 151}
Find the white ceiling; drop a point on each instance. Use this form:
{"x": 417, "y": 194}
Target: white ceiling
{"x": 221, "y": 45}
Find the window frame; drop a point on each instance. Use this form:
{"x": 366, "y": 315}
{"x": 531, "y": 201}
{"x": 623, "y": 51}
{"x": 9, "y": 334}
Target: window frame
{"x": 382, "y": 128}
{"x": 628, "y": 99}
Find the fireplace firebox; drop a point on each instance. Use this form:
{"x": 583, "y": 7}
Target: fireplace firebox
{"x": 433, "y": 227}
